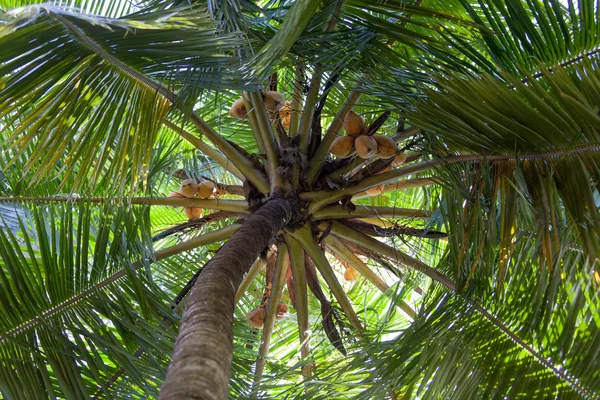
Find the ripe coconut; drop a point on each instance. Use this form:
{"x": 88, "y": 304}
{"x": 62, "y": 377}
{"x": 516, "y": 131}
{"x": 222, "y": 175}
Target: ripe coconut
{"x": 376, "y": 191}
{"x": 274, "y": 101}
{"x": 342, "y": 146}
{"x": 188, "y": 188}
{"x": 351, "y": 274}
{"x": 256, "y": 317}
{"x": 286, "y": 114}
{"x": 282, "y": 310}
{"x": 286, "y": 109}
{"x": 175, "y": 194}
{"x": 366, "y": 146}
{"x": 354, "y": 124}
{"x": 238, "y": 109}
{"x": 206, "y": 189}
{"x": 399, "y": 160}
{"x": 386, "y": 147}
{"x": 192, "y": 212}
{"x": 286, "y": 121}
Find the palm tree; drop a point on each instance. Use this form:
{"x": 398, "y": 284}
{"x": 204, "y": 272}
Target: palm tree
{"x": 472, "y": 222}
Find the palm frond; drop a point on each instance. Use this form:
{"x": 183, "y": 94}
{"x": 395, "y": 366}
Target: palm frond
{"x": 66, "y": 93}
{"x": 63, "y": 255}
{"x": 294, "y": 22}
{"x": 448, "y": 354}
{"x": 522, "y": 36}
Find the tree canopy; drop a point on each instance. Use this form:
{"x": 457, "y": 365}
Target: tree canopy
{"x": 468, "y": 269}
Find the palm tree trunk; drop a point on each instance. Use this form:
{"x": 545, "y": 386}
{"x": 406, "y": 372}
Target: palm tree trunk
{"x": 203, "y": 351}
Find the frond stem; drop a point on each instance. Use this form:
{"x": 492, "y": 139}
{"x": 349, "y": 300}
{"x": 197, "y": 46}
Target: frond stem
{"x": 341, "y": 212}
{"x": 206, "y": 149}
{"x": 301, "y": 289}
{"x": 572, "y": 61}
{"x": 343, "y": 252}
{"x": 249, "y": 278}
{"x": 323, "y": 198}
{"x": 283, "y": 263}
{"x": 306, "y": 239}
{"x": 268, "y": 139}
{"x": 410, "y": 262}
{"x": 332, "y": 133}
{"x": 402, "y": 185}
{"x": 236, "y": 206}
{"x": 211, "y": 237}
{"x": 238, "y": 159}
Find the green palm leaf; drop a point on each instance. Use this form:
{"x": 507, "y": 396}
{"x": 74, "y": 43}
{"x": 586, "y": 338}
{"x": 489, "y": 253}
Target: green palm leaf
{"x": 66, "y": 93}
{"x": 477, "y": 263}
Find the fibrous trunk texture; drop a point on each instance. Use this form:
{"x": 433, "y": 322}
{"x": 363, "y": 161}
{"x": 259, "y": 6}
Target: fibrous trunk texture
{"x": 203, "y": 351}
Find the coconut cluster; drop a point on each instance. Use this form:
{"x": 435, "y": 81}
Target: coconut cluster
{"x": 274, "y": 102}
{"x": 190, "y": 189}
{"x": 256, "y": 318}
{"x": 360, "y": 142}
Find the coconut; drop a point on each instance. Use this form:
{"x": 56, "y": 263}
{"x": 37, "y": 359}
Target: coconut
{"x": 282, "y": 310}
{"x": 256, "y": 317}
{"x": 286, "y": 109}
{"x": 351, "y": 274}
{"x": 342, "y": 146}
{"x": 238, "y": 109}
{"x": 188, "y": 188}
{"x": 274, "y": 101}
{"x": 175, "y": 194}
{"x": 192, "y": 212}
{"x": 354, "y": 124}
{"x": 366, "y": 146}
{"x": 286, "y": 114}
{"x": 286, "y": 121}
{"x": 386, "y": 147}
{"x": 206, "y": 189}
{"x": 399, "y": 160}
{"x": 376, "y": 191}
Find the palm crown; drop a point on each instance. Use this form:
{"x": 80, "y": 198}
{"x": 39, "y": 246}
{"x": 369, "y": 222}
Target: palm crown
{"x": 462, "y": 263}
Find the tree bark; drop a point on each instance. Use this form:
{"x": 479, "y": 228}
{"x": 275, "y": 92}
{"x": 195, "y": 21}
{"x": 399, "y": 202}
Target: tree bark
{"x": 203, "y": 352}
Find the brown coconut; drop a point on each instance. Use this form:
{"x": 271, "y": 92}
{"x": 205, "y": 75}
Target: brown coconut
{"x": 354, "y": 124}
{"x": 188, "y": 188}
{"x": 286, "y": 109}
{"x": 399, "y": 160}
{"x": 175, "y": 194}
{"x": 286, "y": 114}
{"x": 351, "y": 274}
{"x": 342, "y": 146}
{"x": 274, "y": 101}
{"x": 206, "y": 189}
{"x": 282, "y": 310}
{"x": 192, "y": 212}
{"x": 386, "y": 147}
{"x": 376, "y": 191}
{"x": 256, "y": 317}
{"x": 366, "y": 146}
{"x": 238, "y": 109}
